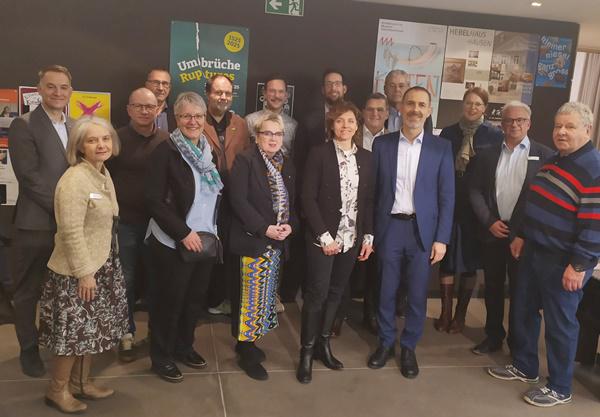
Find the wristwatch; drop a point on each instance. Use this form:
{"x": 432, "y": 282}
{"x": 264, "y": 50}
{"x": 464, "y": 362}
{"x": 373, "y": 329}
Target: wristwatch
{"x": 579, "y": 268}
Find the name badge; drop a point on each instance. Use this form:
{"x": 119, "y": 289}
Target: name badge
{"x": 533, "y": 158}
{"x": 95, "y": 196}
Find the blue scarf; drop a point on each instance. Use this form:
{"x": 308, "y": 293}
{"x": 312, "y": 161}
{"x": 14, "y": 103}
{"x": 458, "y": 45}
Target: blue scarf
{"x": 200, "y": 157}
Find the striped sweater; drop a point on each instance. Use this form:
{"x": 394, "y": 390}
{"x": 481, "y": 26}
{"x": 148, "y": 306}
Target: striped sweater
{"x": 563, "y": 206}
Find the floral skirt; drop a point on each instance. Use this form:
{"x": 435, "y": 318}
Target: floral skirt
{"x": 71, "y": 326}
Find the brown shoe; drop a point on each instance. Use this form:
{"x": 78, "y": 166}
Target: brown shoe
{"x": 57, "y": 394}
{"x": 81, "y": 386}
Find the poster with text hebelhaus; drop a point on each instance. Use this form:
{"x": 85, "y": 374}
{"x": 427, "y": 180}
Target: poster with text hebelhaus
{"x": 199, "y": 51}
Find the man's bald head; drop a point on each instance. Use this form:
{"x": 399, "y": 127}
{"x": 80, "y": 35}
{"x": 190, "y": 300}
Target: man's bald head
{"x": 142, "y": 108}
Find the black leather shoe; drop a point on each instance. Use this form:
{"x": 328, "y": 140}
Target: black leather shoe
{"x": 168, "y": 371}
{"x": 193, "y": 360}
{"x": 380, "y": 357}
{"x": 487, "y": 346}
{"x": 251, "y": 351}
{"x": 253, "y": 369}
{"x": 324, "y": 354}
{"x": 304, "y": 371}
{"x": 31, "y": 363}
{"x": 408, "y": 363}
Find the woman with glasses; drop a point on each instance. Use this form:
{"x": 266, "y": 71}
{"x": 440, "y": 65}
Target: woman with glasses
{"x": 262, "y": 198}
{"x": 469, "y": 137}
{"x": 337, "y": 199}
{"x": 182, "y": 191}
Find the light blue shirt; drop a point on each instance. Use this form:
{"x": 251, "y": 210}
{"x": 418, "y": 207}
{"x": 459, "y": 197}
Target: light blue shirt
{"x": 406, "y": 176}
{"x": 200, "y": 218}
{"x": 394, "y": 120}
{"x": 510, "y": 176}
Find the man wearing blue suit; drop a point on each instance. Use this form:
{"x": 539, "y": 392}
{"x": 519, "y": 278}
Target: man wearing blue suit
{"x": 414, "y": 205}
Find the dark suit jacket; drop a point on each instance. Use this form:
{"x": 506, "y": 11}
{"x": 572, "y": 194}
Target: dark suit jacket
{"x": 321, "y": 194}
{"x": 170, "y": 190}
{"x": 482, "y": 188}
{"x": 434, "y": 187}
{"x": 252, "y": 204}
{"x": 39, "y": 160}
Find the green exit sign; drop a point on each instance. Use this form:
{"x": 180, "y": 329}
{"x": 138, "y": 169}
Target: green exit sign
{"x": 285, "y": 7}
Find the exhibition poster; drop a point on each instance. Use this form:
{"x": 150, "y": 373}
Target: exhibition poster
{"x": 467, "y": 61}
{"x": 554, "y": 63}
{"x": 89, "y": 103}
{"x": 199, "y": 51}
{"x": 416, "y": 48}
{"x": 513, "y": 68}
{"x": 9, "y": 109}
{"x": 29, "y": 99}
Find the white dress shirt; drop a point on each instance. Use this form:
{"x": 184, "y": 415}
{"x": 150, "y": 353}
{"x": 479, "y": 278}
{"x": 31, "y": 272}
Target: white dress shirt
{"x": 368, "y": 137}
{"x": 510, "y": 176}
{"x": 408, "y": 162}
{"x": 60, "y": 127}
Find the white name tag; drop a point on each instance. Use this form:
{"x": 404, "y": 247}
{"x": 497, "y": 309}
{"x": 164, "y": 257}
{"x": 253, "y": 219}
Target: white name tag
{"x": 533, "y": 158}
{"x": 95, "y": 196}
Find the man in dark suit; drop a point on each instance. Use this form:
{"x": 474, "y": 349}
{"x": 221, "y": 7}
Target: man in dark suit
{"x": 37, "y": 143}
{"x": 414, "y": 204}
{"x": 498, "y": 192}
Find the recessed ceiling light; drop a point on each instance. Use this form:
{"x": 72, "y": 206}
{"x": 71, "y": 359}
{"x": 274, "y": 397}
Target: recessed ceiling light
{"x": 536, "y": 4}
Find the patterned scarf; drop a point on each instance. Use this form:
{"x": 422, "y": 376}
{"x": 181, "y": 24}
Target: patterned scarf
{"x": 200, "y": 158}
{"x": 279, "y": 194}
{"x": 466, "y": 151}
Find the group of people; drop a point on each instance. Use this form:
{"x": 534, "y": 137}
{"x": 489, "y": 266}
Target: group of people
{"x": 198, "y": 200}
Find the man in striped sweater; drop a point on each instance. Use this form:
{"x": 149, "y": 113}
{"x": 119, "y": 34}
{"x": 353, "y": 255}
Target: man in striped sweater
{"x": 559, "y": 246}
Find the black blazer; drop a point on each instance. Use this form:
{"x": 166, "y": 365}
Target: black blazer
{"x": 321, "y": 194}
{"x": 252, "y": 204}
{"x": 482, "y": 188}
{"x": 170, "y": 190}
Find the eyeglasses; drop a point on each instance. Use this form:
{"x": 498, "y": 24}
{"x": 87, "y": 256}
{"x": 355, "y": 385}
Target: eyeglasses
{"x": 188, "y": 117}
{"x": 270, "y": 135}
{"x": 474, "y": 104}
{"x": 375, "y": 109}
{"x": 520, "y": 121}
{"x": 334, "y": 83}
{"x": 157, "y": 83}
{"x": 142, "y": 107}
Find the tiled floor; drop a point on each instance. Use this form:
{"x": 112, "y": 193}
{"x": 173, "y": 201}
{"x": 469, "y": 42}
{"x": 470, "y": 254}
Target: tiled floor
{"x": 452, "y": 382}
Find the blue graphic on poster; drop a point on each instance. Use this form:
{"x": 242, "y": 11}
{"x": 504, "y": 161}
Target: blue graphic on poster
{"x": 555, "y": 62}
{"x": 416, "y": 48}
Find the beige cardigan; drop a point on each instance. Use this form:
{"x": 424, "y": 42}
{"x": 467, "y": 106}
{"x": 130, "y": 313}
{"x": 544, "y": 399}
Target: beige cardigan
{"x": 84, "y": 206}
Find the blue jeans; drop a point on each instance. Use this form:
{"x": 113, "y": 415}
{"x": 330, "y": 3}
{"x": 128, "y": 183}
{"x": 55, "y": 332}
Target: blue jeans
{"x": 131, "y": 242}
{"x": 539, "y": 286}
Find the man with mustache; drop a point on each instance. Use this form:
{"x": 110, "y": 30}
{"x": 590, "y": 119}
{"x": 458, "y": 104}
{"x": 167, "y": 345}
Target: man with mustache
{"x": 275, "y": 94}
{"x": 414, "y": 204}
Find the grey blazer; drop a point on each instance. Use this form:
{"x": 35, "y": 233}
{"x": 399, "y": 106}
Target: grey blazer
{"x": 39, "y": 160}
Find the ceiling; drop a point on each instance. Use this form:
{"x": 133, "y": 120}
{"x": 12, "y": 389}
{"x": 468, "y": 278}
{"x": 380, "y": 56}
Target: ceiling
{"x": 584, "y": 12}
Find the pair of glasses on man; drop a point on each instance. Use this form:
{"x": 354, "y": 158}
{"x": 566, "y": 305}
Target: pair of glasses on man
{"x": 157, "y": 83}
{"x": 519, "y": 121}
{"x": 271, "y": 135}
{"x": 142, "y": 107}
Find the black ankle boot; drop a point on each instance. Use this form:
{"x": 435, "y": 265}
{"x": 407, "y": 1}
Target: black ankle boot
{"x": 323, "y": 353}
{"x": 308, "y": 335}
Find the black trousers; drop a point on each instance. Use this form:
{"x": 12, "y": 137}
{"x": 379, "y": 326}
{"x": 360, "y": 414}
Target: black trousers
{"x": 327, "y": 277}
{"x": 30, "y": 252}
{"x": 497, "y": 263}
{"x": 179, "y": 301}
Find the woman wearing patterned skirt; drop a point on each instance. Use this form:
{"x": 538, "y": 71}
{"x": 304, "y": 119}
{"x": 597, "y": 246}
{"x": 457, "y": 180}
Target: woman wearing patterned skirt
{"x": 261, "y": 193}
{"x": 83, "y": 309}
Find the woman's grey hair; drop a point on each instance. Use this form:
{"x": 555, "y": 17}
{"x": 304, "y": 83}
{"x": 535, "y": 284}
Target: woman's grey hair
{"x": 191, "y": 98}
{"x": 268, "y": 117}
{"x": 516, "y": 104}
{"x": 79, "y": 133}
{"x": 583, "y": 110}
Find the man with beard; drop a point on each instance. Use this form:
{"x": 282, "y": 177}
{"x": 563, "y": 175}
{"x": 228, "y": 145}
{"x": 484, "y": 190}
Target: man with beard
{"x": 414, "y": 204}
{"x": 275, "y": 94}
{"x": 227, "y": 134}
